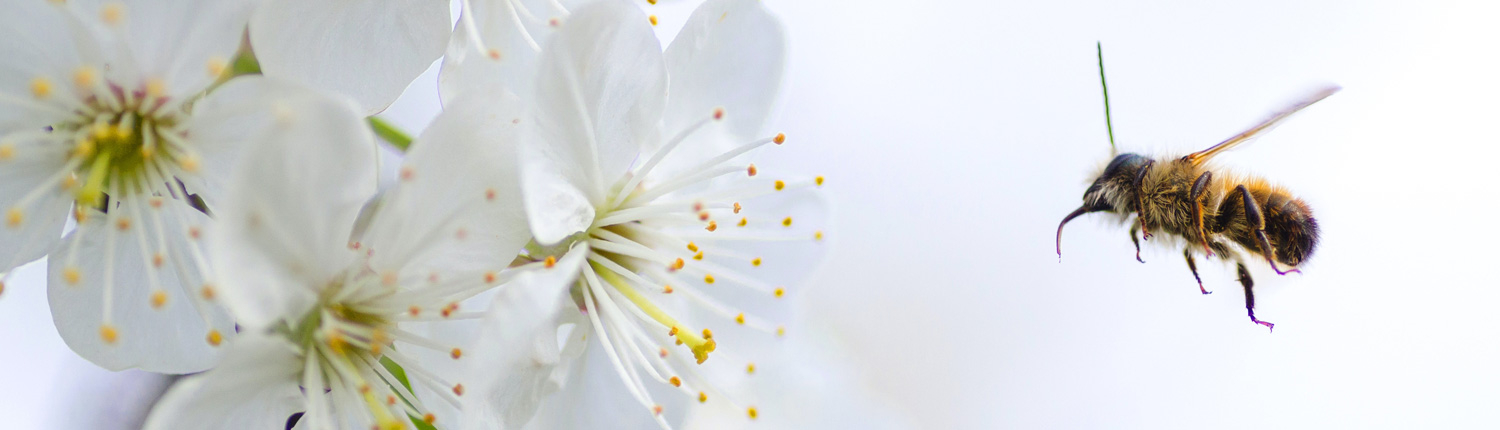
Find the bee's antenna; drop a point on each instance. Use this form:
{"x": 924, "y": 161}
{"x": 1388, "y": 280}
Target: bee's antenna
{"x": 1107, "y": 124}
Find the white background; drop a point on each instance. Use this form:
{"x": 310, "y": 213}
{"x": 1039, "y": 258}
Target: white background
{"x": 956, "y": 134}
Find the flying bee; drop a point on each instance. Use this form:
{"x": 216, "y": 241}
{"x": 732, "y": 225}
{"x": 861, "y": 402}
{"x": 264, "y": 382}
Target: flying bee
{"x": 1215, "y": 212}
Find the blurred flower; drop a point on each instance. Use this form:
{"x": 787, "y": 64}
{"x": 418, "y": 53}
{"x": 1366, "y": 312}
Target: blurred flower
{"x": 100, "y": 111}
{"x": 326, "y": 306}
{"x": 650, "y": 239}
{"x": 366, "y": 50}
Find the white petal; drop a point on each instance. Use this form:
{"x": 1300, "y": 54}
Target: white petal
{"x": 594, "y": 386}
{"x": 40, "y": 221}
{"x": 171, "y": 338}
{"x": 291, "y": 203}
{"x": 730, "y": 54}
{"x": 176, "y": 40}
{"x": 518, "y": 356}
{"x": 555, "y": 208}
{"x": 254, "y": 388}
{"x": 506, "y": 28}
{"x": 457, "y": 207}
{"x": 367, "y": 50}
{"x": 37, "y": 43}
{"x": 599, "y": 94}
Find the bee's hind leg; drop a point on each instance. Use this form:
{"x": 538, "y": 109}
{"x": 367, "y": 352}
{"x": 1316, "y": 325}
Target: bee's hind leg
{"x": 1193, "y": 266}
{"x": 1137, "y": 241}
{"x": 1258, "y": 223}
{"x": 1250, "y": 294}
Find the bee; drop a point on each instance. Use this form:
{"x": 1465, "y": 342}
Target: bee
{"x": 1220, "y": 214}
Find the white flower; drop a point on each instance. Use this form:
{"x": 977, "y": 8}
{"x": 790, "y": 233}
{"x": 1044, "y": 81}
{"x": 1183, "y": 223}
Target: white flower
{"x": 100, "y": 111}
{"x": 661, "y": 234}
{"x": 323, "y": 305}
{"x": 368, "y": 50}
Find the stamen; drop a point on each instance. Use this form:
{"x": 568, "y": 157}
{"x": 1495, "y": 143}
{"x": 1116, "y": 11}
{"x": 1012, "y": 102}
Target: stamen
{"x": 214, "y": 338}
{"x": 216, "y": 66}
{"x": 41, "y": 87}
{"x": 108, "y": 333}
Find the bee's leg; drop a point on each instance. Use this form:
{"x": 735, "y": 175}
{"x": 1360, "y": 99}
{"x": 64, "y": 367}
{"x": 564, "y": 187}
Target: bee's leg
{"x": 1199, "y": 186}
{"x": 1250, "y": 295}
{"x": 1193, "y": 266}
{"x": 1134, "y": 227}
{"x": 1140, "y": 198}
{"x": 1258, "y": 223}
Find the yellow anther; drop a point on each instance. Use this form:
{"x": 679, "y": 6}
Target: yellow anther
{"x": 751, "y": 170}
{"x": 780, "y": 138}
{"x": 188, "y": 163}
{"x": 158, "y": 260}
{"x": 736, "y": 207}
{"x": 456, "y": 353}
{"x": 112, "y": 13}
{"x": 698, "y": 256}
{"x": 550, "y": 262}
{"x": 712, "y": 226}
{"x": 84, "y": 77}
{"x": 8, "y": 151}
{"x": 14, "y": 217}
{"x": 651, "y": 1}
{"x": 84, "y": 148}
{"x": 708, "y": 279}
{"x": 753, "y": 413}
{"x": 108, "y": 334}
{"x": 147, "y": 152}
{"x": 2, "y": 287}
{"x": 818, "y": 235}
{"x": 676, "y": 382}
{"x": 656, "y": 409}
{"x": 71, "y": 275}
{"x": 676, "y": 265}
{"x": 786, "y": 222}
{"x": 207, "y": 291}
{"x": 667, "y": 289}
{"x": 818, "y": 180}
{"x": 67, "y": 183}
{"x": 744, "y": 221}
{"x": 755, "y": 262}
{"x": 702, "y": 397}
{"x": 780, "y": 185}
{"x": 663, "y": 353}
{"x": 781, "y": 331}
{"x": 708, "y": 334}
{"x": 155, "y": 87}
{"x": 653, "y": 20}
{"x": 214, "y": 338}
{"x": 740, "y": 319}
{"x": 692, "y": 247}
{"x": 779, "y": 292}
{"x": 750, "y": 368}
{"x": 217, "y": 66}
{"x": 41, "y": 87}
{"x": 158, "y": 299}
{"x": 102, "y": 131}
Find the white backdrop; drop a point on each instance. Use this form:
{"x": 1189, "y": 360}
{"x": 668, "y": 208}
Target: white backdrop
{"x": 956, "y": 134}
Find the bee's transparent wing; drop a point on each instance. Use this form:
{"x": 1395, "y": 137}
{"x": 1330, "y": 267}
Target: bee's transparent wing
{"x": 1264, "y": 126}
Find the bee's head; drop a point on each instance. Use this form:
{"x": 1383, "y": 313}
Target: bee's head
{"x": 1112, "y": 190}
{"x": 1113, "y": 185}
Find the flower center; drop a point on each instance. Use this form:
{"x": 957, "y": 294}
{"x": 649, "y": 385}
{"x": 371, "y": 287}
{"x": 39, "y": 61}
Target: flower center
{"x": 349, "y": 340}
{"x": 679, "y": 234}
{"x": 123, "y": 139}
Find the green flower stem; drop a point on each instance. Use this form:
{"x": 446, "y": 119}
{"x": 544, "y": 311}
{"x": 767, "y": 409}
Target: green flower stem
{"x": 390, "y": 133}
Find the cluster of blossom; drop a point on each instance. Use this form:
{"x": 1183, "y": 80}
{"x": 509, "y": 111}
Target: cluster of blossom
{"x": 583, "y": 208}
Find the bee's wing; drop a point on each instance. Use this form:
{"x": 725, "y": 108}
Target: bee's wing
{"x": 1264, "y": 126}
